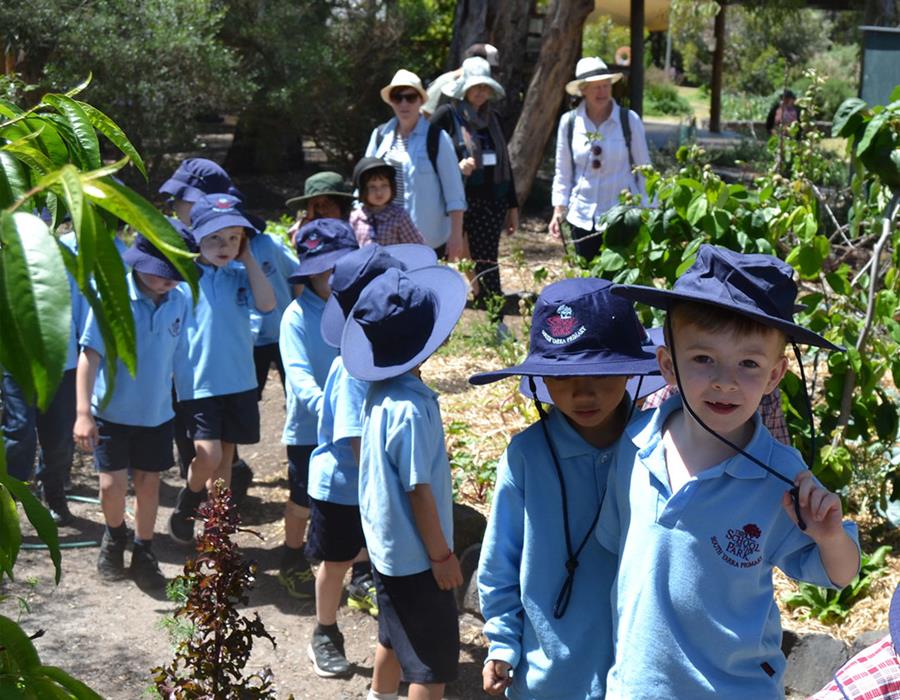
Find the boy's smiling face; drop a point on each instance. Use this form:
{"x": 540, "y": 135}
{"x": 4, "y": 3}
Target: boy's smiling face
{"x": 590, "y": 405}
{"x": 724, "y": 373}
{"x": 223, "y": 246}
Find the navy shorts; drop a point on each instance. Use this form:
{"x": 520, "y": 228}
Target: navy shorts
{"x": 420, "y": 623}
{"x": 229, "y": 418}
{"x": 133, "y": 447}
{"x": 298, "y": 472}
{"x": 335, "y": 531}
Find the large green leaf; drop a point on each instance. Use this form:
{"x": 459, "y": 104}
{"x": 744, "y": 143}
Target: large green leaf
{"x": 35, "y": 289}
{"x": 17, "y": 654}
{"x": 872, "y": 129}
{"x": 111, "y": 130}
{"x": 138, "y": 213}
{"x": 50, "y": 141}
{"x": 40, "y": 520}
{"x": 30, "y": 156}
{"x": 75, "y": 152}
{"x": 14, "y": 180}
{"x": 10, "y": 534}
{"x": 847, "y": 117}
{"x": 78, "y": 689}
{"x": 68, "y": 180}
{"x": 81, "y": 126}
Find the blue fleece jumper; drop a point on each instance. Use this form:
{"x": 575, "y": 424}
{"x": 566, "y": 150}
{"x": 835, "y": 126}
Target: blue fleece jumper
{"x": 523, "y": 567}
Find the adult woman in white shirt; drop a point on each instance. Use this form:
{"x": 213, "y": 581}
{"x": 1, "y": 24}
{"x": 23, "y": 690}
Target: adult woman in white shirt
{"x": 593, "y": 163}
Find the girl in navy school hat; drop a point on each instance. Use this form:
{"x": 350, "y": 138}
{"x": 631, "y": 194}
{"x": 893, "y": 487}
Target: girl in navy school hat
{"x": 543, "y": 579}
{"x": 703, "y": 503}
{"x": 217, "y": 387}
{"x": 307, "y": 358}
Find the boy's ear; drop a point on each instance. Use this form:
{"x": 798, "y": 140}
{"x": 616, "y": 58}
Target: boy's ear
{"x": 666, "y": 368}
{"x": 776, "y": 374}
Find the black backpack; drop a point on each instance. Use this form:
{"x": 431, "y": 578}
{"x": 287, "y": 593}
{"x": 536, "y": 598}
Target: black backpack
{"x": 569, "y": 118}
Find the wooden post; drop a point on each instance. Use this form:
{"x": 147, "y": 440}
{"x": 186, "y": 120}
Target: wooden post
{"x": 715, "y": 97}
{"x": 636, "y": 74}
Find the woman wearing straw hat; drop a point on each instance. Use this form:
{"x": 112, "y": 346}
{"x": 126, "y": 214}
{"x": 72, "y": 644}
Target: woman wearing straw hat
{"x": 429, "y": 184}
{"x": 596, "y": 150}
{"x": 484, "y": 161}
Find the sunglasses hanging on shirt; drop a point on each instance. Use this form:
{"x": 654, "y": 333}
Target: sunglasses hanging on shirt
{"x": 596, "y": 152}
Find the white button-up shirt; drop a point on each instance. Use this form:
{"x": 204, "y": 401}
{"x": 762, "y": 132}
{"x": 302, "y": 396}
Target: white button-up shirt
{"x": 588, "y": 191}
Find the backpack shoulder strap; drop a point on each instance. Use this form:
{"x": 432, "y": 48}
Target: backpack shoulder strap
{"x": 569, "y": 118}
{"x": 625, "y": 121}
{"x": 432, "y": 145}
{"x": 380, "y": 131}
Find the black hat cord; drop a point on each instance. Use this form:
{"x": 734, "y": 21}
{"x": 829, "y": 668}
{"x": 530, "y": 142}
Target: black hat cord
{"x": 794, "y": 491}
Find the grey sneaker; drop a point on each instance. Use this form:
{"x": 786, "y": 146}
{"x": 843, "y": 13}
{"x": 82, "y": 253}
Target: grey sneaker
{"x": 110, "y": 560}
{"x": 327, "y": 656}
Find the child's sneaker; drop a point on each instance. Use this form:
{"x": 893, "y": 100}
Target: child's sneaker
{"x": 110, "y": 560}
{"x": 181, "y": 522}
{"x": 327, "y": 655}
{"x": 241, "y": 478}
{"x": 296, "y": 575}
{"x": 361, "y": 595}
{"x": 145, "y": 569}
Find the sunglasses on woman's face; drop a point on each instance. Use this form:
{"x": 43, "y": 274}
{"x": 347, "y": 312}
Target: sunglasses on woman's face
{"x": 398, "y": 97}
{"x": 596, "y": 151}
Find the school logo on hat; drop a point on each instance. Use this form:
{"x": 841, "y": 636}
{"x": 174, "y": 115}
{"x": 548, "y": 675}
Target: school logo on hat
{"x": 311, "y": 243}
{"x": 175, "y": 328}
{"x": 742, "y": 548}
{"x": 224, "y": 204}
{"x": 562, "y": 326}
{"x": 242, "y": 296}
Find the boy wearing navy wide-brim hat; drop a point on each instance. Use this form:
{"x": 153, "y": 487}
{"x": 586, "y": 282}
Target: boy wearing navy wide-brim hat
{"x": 133, "y": 431}
{"x": 405, "y": 490}
{"x": 543, "y": 579}
{"x": 703, "y": 503}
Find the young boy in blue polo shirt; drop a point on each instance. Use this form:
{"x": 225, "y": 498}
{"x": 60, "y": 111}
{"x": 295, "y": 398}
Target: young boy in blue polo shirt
{"x": 307, "y": 358}
{"x": 405, "y": 491}
{"x": 335, "y": 530}
{"x": 585, "y": 343}
{"x": 703, "y": 503}
{"x": 217, "y": 390}
{"x": 133, "y": 431}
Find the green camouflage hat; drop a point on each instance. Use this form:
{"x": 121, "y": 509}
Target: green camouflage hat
{"x": 325, "y": 183}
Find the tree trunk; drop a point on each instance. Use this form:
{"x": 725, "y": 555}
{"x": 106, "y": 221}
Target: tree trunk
{"x": 560, "y": 49}
{"x": 470, "y": 26}
{"x": 264, "y": 142}
{"x": 715, "y": 96}
{"x": 510, "y": 35}
{"x": 636, "y": 74}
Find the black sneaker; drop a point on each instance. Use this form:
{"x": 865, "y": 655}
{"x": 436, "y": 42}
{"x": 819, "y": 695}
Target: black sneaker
{"x": 58, "y": 506}
{"x": 181, "y": 522}
{"x": 110, "y": 561}
{"x": 145, "y": 570}
{"x": 296, "y": 575}
{"x": 361, "y": 595}
{"x": 241, "y": 478}
{"x": 327, "y": 655}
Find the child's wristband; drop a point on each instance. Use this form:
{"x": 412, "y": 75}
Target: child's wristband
{"x": 442, "y": 559}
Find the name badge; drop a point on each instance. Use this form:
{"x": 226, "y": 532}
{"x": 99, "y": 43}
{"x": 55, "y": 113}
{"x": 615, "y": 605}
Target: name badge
{"x": 488, "y": 158}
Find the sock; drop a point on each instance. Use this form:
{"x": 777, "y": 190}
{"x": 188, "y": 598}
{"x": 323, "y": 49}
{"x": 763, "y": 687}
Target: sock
{"x": 361, "y": 569}
{"x": 330, "y": 631}
{"x": 117, "y": 533}
{"x": 292, "y": 555}
{"x": 382, "y": 696}
{"x": 146, "y": 544}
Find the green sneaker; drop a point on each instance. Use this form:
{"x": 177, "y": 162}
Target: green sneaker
{"x": 361, "y": 595}
{"x": 297, "y": 577}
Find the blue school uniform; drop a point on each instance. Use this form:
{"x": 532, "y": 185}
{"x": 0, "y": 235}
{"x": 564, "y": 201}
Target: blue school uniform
{"x": 402, "y": 446}
{"x": 145, "y": 399}
{"x": 307, "y": 359}
{"x": 333, "y": 472}
{"x": 277, "y": 262}
{"x": 523, "y": 567}
{"x": 694, "y": 607}
{"x": 219, "y": 360}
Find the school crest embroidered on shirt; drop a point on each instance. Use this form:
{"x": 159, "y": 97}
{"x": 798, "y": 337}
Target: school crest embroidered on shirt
{"x": 242, "y": 297}
{"x": 564, "y": 326}
{"x": 175, "y": 328}
{"x": 268, "y": 268}
{"x": 741, "y": 548}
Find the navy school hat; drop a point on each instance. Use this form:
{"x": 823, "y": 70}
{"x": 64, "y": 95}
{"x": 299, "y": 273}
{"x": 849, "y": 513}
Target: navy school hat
{"x": 580, "y": 328}
{"x": 400, "y": 320}
{"x": 196, "y": 177}
{"x": 758, "y": 286}
{"x": 143, "y": 256}
{"x": 213, "y": 212}
{"x": 320, "y": 244}
{"x": 354, "y": 271}
{"x": 638, "y": 387}
{"x": 894, "y": 619}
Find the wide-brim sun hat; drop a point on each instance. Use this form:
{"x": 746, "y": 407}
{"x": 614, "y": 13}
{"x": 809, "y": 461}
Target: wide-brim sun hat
{"x": 590, "y": 70}
{"x": 579, "y": 328}
{"x": 145, "y": 257}
{"x": 213, "y": 212}
{"x": 894, "y": 620}
{"x": 196, "y": 177}
{"x": 638, "y": 387}
{"x": 475, "y": 71}
{"x": 353, "y": 273}
{"x": 319, "y": 245}
{"x": 326, "y": 183}
{"x": 755, "y": 285}
{"x": 403, "y": 78}
{"x": 400, "y": 320}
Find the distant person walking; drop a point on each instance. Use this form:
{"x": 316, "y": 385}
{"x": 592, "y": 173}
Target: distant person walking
{"x": 436, "y": 94}
{"x": 783, "y": 112}
{"x": 596, "y": 149}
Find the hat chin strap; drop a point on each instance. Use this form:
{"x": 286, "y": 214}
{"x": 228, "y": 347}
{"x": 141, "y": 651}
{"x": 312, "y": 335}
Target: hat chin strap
{"x": 794, "y": 491}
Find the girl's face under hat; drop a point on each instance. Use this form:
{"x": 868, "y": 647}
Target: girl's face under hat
{"x": 223, "y": 246}
{"x": 378, "y": 191}
{"x": 590, "y": 403}
{"x": 478, "y": 95}
{"x": 155, "y": 285}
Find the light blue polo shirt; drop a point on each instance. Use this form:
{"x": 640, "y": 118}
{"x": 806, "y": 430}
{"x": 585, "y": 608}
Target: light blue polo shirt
{"x": 402, "y": 446}
{"x": 523, "y": 567}
{"x": 694, "y": 606}
{"x": 146, "y": 398}
{"x": 307, "y": 359}
{"x": 219, "y": 360}
{"x": 333, "y": 472}
{"x": 277, "y": 262}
